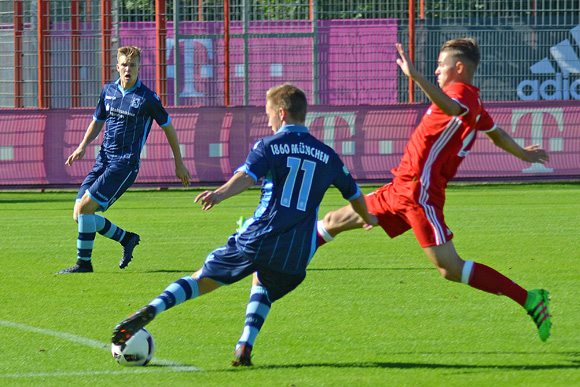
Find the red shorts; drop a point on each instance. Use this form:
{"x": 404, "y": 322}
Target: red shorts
{"x": 398, "y": 213}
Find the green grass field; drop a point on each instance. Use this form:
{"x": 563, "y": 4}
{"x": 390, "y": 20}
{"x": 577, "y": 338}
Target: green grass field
{"x": 372, "y": 311}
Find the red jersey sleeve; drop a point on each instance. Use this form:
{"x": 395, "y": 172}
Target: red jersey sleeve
{"x": 485, "y": 122}
{"x": 473, "y": 113}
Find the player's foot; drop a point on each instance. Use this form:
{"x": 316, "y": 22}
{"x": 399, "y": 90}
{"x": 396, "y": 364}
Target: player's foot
{"x": 240, "y": 223}
{"x": 243, "y": 356}
{"x": 132, "y": 324}
{"x": 79, "y": 267}
{"x": 537, "y": 307}
{"x": 128, "y": 249}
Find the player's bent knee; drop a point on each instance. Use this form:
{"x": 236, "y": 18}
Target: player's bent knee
{"x": 449, "y": 275}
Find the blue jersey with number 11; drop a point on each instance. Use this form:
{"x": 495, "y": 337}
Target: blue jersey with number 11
{"x": 296, "y": 170}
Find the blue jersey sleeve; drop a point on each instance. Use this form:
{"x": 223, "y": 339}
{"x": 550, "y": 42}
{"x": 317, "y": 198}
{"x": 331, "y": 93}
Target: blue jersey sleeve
{"x": 256, "y": 163}
{"x": 157, "y": 111}
{"x": 100, "y": 114}
{"x": 345, "y": 182}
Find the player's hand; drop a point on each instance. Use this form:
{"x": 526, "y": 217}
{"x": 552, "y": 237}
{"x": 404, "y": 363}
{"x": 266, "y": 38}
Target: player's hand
{"x": 208, "y": 199}
{"x": 535, "y": 154}
{"x": 77, "y": 154}
{"x": 372, "y": 223}
{"x": 404, "y": 62}
{"x": 183, "y": 174}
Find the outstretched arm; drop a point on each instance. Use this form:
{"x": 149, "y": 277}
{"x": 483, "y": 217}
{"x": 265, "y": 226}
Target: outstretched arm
{"x": 433, "y": 92}
{"x": 359, "y": 205}
{"x": 181, "y": 170}
{"x": 349, "y": 217}
{"x": 240, "y": 182}
{"x": 92, "y": 132}
{"x": 531, "y": 154}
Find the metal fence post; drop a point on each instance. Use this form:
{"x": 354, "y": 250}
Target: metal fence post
{"x": 18, "y": 102}
{"x": 246, "y": 52}
{"x": 43, "y": 32}
{"x": 176, "y": 53}
{"x": 314, "y": 21}
{"x": 226, "y": 52}
{"x": 160, "y": 46}
{"x": 106, "y": 27}
{"x": 75, "y": 53}
{"x": 411, "y": 46}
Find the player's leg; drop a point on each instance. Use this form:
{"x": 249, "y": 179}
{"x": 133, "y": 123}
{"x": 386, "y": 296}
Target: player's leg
{"x": 484, "y": 278}
{"x": 100, "y": 189}
{"x": 127, "y": 239}
{"x": 184, "y": 289}
{"x": 337, "y": 221}
{"x": 223, "y": 266}
{"x": 267, "y": 286}
{"x": 84, "y": 215}
{"x": 446, "y": 260}
{"x": 107, "y": 188}
{"x": 379, "y": 202}
{"x": 256, "y": 313}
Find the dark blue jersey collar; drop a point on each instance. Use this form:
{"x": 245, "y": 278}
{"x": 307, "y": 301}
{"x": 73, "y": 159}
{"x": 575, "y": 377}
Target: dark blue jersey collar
{"x": 137, "y": 84}
{"x": 293, "y": 129}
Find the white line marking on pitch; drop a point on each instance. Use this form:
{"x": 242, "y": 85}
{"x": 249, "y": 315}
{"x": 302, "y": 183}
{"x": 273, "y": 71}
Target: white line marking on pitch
{"x": 172, "y": 366}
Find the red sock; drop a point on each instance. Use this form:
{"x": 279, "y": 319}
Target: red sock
{"x": 489, "y": 280}
{"x": 321, "y": 240}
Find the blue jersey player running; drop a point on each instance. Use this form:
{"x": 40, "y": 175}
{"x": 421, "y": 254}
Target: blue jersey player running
{"x": 128, "y": 108}
{"x": 280, "y": 239}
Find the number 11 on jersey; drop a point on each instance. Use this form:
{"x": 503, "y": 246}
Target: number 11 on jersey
{"x": 294, "y": 164}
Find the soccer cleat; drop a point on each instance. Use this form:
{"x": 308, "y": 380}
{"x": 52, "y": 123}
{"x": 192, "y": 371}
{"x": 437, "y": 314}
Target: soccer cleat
{"x": 127, "y": 328}
{"x": 128, "y": 250}
{"x": 537, "y": 307}
{"x": 243, "y": 356}
{"x": 79, "y": 267}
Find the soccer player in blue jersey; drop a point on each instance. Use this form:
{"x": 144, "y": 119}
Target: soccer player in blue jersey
{"x": 280, "y": 239}
{"x": 128, "y": 108}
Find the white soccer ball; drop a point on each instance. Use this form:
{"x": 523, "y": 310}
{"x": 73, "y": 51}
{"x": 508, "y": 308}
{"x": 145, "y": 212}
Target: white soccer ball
{"x": 137, "y": 351}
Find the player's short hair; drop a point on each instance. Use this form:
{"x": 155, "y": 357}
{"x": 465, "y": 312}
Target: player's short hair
{"x": 290, "y": 98}
{"x": 130, "y": 52}
{"x": 464, "y": 49}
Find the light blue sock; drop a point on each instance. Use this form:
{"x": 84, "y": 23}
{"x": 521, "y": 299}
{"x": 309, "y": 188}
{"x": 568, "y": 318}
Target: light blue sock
{"x": 256, "y": 313}
{"x": 86, "y": 239}
{"x": 108, "y": 229}
{"x": 178, "y": 292}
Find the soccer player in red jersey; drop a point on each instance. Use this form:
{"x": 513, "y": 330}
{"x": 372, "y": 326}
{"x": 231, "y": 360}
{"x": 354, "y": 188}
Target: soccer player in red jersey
{"x": 415, "y": 198}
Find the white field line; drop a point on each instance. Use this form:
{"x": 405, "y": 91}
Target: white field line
{"x": 167, "y": 365}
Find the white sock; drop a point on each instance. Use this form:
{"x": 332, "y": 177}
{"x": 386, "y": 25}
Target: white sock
{"x": 466, "y": 274}
{"x": 322, "y": 231}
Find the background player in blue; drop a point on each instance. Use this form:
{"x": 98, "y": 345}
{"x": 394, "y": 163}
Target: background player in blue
{"x": 128, "y": 108}
{"x": 280, "y": 239}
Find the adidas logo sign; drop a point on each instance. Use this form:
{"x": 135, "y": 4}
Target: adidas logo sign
{"x": 561, "y": 87}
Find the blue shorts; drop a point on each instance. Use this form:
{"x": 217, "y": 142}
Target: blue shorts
{"x": 227, "y": 266}
{"x": 107, "y": 182}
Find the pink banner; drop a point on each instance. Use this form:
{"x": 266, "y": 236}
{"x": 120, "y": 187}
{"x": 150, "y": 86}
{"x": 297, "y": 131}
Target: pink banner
{"x": 351, "y": 61}
{"x": 355, "y": 59}
{"x": 34, "y": 144}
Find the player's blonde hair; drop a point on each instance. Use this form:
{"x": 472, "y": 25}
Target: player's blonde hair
{"x": 130, "y": 52}
{"x": 290, "y": 98}
{"x": 464, "y": 50}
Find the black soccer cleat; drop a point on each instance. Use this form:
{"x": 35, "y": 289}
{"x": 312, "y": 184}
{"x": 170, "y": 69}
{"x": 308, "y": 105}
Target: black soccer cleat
{"x": 132, "y": 324}
{"x": 243, "y": 356}
{"x": 79, "y": 267}
{"x": 128, "y": 248}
